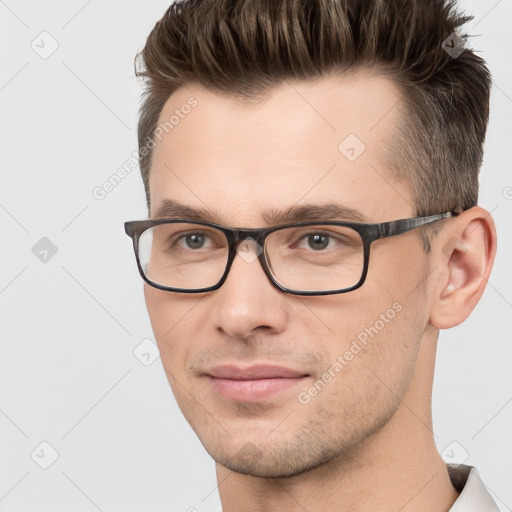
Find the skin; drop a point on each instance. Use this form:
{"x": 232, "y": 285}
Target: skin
{"x": 365, "y": 442}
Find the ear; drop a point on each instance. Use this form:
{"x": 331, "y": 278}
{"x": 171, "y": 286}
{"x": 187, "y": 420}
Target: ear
{"x": 464, "y": 250}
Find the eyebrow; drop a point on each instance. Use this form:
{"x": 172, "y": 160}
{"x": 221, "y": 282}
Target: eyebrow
{"x": 172, "y": 209}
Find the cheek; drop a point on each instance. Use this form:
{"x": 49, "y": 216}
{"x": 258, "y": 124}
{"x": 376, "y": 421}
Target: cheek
{"x": 159, "y": 306}
{"x": 171, "y": 321}
{"x": 398, "y": 264}
{"x": 376, "y": 330}
{"x": 378, "y": 357}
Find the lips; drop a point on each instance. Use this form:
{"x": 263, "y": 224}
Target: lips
{"x": 259, "y": 371}
{"x": 253, "y": 383}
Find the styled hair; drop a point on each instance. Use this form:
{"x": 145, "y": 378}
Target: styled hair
{"x": 244, "y": 48}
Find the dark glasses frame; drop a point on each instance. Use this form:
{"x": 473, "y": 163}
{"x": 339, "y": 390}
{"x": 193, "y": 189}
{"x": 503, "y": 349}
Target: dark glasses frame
{"x": 368, "y": 232}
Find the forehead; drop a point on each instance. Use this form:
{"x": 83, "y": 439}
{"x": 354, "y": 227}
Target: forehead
{"x": 316, "y": 142}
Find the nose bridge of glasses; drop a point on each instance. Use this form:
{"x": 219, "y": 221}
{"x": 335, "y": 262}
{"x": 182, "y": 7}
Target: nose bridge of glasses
{"x": 241, "y": 238}
{"x": 240, "y": 234}
{"x": 248, "y": 244}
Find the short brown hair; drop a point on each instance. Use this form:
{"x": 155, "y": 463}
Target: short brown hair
{"x": 245, "y": 47}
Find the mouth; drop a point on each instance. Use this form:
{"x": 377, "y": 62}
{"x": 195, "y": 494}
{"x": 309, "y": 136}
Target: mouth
{"x": 253, "y": 383}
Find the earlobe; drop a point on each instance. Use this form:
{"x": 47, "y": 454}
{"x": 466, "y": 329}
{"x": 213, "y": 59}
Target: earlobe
{"x": 465, "y": 251}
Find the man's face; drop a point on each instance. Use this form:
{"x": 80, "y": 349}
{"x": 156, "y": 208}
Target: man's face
{"x": 238, "y": 161}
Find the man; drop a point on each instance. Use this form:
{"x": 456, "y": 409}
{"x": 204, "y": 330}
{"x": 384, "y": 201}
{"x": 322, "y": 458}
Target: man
{"x": 297, "y": 313}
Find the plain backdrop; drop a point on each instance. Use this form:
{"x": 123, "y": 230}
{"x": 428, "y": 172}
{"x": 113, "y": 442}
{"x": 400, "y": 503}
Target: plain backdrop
{"x": 77, "y": 395}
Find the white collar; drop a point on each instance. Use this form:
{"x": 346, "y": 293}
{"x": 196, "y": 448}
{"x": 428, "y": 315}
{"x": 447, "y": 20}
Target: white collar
{"x": 474, "y": 496}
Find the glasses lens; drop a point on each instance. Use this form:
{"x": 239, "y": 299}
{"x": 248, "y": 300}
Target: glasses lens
{"x": 315, "y": 258}
{"x": 183, "y": 255}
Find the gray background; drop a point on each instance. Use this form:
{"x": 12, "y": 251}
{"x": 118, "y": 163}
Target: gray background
{"x": 72, "y": 321}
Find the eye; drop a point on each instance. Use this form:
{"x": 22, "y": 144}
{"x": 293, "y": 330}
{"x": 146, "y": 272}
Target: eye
{"x": 193, "y": 240}
{"x": 317, "y": 241}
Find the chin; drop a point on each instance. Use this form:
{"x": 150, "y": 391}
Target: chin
{"x": 288, "y": 459}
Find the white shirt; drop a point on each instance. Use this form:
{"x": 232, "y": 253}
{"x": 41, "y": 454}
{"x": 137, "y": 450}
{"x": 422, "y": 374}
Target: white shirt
{"x": 473, "y": 497}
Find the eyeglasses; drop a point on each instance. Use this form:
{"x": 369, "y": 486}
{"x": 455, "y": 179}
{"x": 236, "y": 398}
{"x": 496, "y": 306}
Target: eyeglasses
{"x": 308, "y": 258}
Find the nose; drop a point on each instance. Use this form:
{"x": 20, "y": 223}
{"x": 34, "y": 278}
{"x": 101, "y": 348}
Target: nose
{"x": 248, "y": 301}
